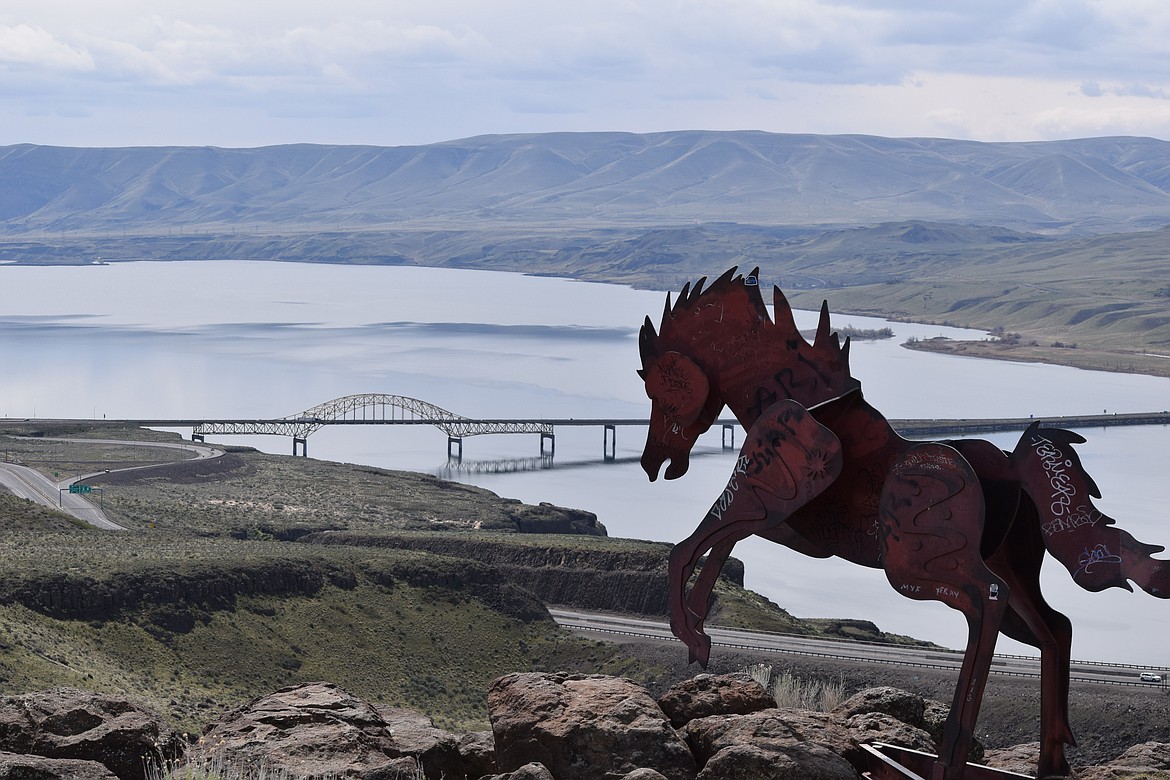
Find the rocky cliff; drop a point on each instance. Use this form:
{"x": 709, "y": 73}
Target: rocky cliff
{"x": 627, "y": 577}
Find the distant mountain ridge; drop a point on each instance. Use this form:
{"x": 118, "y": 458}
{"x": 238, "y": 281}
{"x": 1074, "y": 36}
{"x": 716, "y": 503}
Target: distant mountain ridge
{"x": 590, "y": 180}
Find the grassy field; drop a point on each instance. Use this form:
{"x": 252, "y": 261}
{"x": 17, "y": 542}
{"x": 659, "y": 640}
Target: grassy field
{"x": 426, "y": 648}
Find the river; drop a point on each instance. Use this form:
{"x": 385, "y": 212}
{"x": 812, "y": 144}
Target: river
{"x": 261, "y": 339}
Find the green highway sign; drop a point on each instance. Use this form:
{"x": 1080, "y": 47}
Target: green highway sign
{"x": 77, "y": 487}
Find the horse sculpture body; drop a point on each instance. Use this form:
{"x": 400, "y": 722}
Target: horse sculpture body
{"x": 822, "y": 472}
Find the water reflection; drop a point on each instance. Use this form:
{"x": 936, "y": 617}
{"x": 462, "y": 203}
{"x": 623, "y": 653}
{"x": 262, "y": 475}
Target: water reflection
{"x": 457, "y": 467}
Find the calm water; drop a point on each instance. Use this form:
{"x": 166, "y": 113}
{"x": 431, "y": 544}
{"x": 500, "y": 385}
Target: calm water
{"x": 238, "y": 339}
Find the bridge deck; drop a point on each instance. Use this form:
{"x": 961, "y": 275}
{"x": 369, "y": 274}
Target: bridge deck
{"x": 299, "y": 427}
{"x": 907, "y": 426}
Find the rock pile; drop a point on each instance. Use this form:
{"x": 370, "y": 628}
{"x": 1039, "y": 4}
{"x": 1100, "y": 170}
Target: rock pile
{"x": 545, "y": 726}
{"x": 72, "y": 733}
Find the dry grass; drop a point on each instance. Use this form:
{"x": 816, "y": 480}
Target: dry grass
{"x": 792, "y": 692}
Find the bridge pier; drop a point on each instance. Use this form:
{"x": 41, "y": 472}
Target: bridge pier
{"x": 552, "y": 444}
{"x": 197, "y": 437}
{"x": 609, "y": 444}
{"x": 728, "y": 436}
{"x": 455, "y": 454}
{"x": 304, "y": 446}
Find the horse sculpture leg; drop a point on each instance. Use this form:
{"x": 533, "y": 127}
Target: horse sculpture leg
{"x": 1032, "y": 621}
{"x": 699, "y": 597}
{"x": 932, "y": 524}
{"x": 786, "y": 460}
{"x": 698, "y": 601}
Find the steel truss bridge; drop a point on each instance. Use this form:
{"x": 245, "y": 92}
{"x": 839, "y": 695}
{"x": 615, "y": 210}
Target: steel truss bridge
{"x": 383, "y": 409}
{"x": 377, "y": 409}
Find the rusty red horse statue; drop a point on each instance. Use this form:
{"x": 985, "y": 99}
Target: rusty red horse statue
{"x": 822, "y": 472}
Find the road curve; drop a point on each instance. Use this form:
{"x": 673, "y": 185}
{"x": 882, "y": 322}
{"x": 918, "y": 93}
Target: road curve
{"x": 861, "y": 652}
{"x": 32, "y": 485}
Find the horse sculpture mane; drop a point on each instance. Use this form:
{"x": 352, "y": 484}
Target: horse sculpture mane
{"x": 723, "y": 333}
{"x": 822, "y": 472}
{"x": 733, "y": 303}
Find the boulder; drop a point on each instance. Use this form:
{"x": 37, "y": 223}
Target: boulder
{"x": 15, "y": 766}
{"x": 714, "y": 694}
{"x": 870, "y": 727}
{"x": 477, "y": 750}
{"x": 1110, "y": 772}
{"x": 774, "y": 730}
{"x": 801, "y": 761}
{"x": 67, "y": 723}
{"x": 1152, "y": 755}
{"x": 1147, "y": 761}
{"x": 531, "y": 771}
{"x": 1024, "y": 759}
{"x": 414, "y": 734}
{"x": 934, "y": 718}
{"x": 583, "y": 727}
{"x": 318, "y": 729}
{"x": 906, "y": 707}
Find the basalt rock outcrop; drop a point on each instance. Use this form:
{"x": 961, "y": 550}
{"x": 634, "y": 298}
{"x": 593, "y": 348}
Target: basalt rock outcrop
{"x": 81, "y": 734}
{"x": 320, "y": 730}
{"x": 711, "y": 694}
{"x": 573, "y": 574}
{"x": 172, "y": 599}
{"x": 78, "y": 596}
{"x": 585, "y": 727}
{"x": 17, "y": 766}
{"x": 1147, "y": 761}
{"x": 592, "y": 726}
{"x": 545, "y": 726}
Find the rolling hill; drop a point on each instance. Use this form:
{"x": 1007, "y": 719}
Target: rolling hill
{"x": 589, "y": 180}
{"x": 1064, "y": 242}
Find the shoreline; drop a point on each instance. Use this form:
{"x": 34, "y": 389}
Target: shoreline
{"x": 1118, "y": 362}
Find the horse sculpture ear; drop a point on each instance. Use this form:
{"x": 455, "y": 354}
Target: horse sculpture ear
{"x": 679, "y": 385}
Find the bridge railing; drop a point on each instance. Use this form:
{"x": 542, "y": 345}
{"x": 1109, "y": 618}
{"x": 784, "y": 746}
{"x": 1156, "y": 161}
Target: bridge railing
{"x": 384, "y": 409}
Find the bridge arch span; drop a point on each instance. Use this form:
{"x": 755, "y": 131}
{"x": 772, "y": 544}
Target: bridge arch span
{"x": 372, "y": 409}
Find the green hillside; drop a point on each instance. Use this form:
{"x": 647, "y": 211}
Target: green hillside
{"x": 245, "y": 573}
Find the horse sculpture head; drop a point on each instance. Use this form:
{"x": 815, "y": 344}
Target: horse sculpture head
{"x": 718, "y": 346}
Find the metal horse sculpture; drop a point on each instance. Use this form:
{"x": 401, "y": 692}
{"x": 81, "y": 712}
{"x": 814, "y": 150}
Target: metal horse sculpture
{"x": 822, "y": 472}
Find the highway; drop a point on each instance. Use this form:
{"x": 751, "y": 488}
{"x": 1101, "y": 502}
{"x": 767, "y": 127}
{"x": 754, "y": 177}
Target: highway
{"x": 859, "y": 652}
{"x": 32, "y": 485}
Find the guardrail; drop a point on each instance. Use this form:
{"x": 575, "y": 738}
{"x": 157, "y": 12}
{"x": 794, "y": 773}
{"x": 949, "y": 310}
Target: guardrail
{"x": 885, "y": 661}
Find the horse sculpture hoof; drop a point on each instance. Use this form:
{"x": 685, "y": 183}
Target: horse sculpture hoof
{"x": 701, "y": 651}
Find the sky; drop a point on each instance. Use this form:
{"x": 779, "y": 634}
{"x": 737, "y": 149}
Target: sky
{"x": 253, "y": 73}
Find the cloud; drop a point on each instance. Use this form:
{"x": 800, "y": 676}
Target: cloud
{"x": 1085, "y": 122}
{"x": 1094, "y": 89}
{"x": 36, "y": 47}
{"x": 416, "y": 70}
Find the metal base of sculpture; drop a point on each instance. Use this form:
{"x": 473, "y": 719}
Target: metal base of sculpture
{"x": 822, "y": 472}
{"x": 890, "y": 762}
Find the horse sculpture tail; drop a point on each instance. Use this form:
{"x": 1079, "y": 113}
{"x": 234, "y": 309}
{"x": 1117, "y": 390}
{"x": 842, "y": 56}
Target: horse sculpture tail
{"x": 1096, "y": 553}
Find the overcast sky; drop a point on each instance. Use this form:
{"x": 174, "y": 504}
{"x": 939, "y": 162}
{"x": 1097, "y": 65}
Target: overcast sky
{"x": 393, "y": 72}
